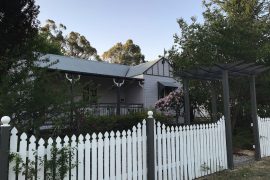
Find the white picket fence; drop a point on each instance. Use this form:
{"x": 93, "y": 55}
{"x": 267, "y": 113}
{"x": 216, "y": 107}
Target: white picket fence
{"x": 190, "y": 152}
{"x": 264, "y": 134}
{"x": 113, "y": 156}
{"x": 184, "y": 152}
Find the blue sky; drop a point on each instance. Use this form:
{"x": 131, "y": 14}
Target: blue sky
{"x": 151, "y": 24}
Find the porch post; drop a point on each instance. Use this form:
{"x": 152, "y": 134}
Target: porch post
{"x": 255, "y": 118}
{"x": 4, "y": 147}
{"x": 186, "y": 98}
{"x": 227, "y": 114}
{"x": 72, "y": 81}
{"x": 118, "y": 85}
{"x": 118, "y": 101}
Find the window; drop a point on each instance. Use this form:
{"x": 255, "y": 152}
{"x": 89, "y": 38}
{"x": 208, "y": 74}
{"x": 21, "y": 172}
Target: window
{"x": 165, "y": 92}
{"x": 164, "y": 88}
{"x": 90, "y": 93}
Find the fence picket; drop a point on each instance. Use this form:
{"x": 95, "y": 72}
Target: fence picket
{"x": 208, "y": 148}
{"x": 67, "y": 145}
{"x": 100, "y": 156}
{"x": 215, "y": 143}
{"x": 169, "y": 156}
{"x": 189, "y": 155}
{"x": 23, "y": 152}
{"x": 118, "y": 155}
{"x": 112, "y": 156}
{"x": 129, "y": 153}
{"x": 134, "y": 152}
{"x": 159, "y": 176}
{"x": 139, "y": 137}
{"x": 32, "y": 153}
{"x": 211, "y": 148}
{"x": 49, "y": 155}
{"x": 58, "y": 147}
{"x": 124, "y": 155}
{"x": 177, "y": 151}
{"x": 164, "y": 155}
{"x": 40, "y": 159}
{"x": 196, "y": 151}
{"x": 265, "y": 137}
{"x": 87, "y": 149}
{"x": 106, "y": 156}
{"x": 173, "y": 153}
{"x": 94, "y": 156}
{"x": 181, "y": 142}
{"x": 80, "y": 157}
{"x": 191, "y": 132}
{"x": 185, "y": 155}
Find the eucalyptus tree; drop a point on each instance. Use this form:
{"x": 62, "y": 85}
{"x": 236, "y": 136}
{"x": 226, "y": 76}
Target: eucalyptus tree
{"x": 71, "y": 44}
{"x": 127, "y": 54}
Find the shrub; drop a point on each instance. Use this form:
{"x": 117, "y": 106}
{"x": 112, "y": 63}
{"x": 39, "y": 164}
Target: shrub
{"x": 118, "y": 123}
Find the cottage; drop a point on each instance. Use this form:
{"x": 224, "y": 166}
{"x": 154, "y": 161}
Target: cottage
{"x": 120, "y": 88}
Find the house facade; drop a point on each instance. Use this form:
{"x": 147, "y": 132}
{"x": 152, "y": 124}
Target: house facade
{"x": 119, "y": 88}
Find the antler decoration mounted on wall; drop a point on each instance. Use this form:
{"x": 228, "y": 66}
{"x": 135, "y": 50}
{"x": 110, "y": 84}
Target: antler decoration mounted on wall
{"x": 72, "y": 79}
{"x": 141, "y": 83}
{"x": 118, "y": 84}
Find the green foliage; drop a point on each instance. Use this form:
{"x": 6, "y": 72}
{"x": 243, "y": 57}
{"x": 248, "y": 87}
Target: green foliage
{"x": 72, "y": 44}
{"x": 18, "y": 24}
{"x": 204, "y": 167}
{"x": 56, "y": 168}
{"x": 59, "y": 165}
{"x": 243, "y": 138}
{"x": 18, "y": 32}
{"x": 232, "y": 31}
{"x": 115, "y": 123}
{"x": 127, "y": 54}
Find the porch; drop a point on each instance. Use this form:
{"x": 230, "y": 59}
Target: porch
{"x": 108, "y": 109}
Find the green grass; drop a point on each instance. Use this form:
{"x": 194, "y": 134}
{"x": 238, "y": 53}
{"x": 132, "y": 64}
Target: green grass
{"x": 257, "y": 170}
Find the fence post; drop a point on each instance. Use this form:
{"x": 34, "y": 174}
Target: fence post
{"x": 4, "y": 147}
{"x": 150, "y": 125}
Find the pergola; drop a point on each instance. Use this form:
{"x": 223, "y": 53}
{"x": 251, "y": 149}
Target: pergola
{"x": 223, "y": 72}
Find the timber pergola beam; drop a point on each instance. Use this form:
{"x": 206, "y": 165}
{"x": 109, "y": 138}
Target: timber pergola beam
{"x": 222, "y": 72}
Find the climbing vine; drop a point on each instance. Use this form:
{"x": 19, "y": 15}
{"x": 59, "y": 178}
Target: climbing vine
{"x": 56, "y": 166}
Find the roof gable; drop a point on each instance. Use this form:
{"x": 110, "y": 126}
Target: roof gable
{"x": 140, "y": 68}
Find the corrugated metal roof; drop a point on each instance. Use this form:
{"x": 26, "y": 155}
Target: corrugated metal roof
{"x": 78, "y": 65}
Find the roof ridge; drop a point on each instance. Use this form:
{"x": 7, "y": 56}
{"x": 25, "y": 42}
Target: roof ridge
{"x": 87, "y": 60}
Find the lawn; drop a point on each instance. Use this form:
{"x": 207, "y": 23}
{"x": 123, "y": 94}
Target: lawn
{"x": 253, "y": 171}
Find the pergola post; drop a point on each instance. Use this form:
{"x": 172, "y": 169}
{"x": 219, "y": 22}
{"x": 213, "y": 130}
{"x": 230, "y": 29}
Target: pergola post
{"x": 255, "y": 118}
{"x": 227, "y": 114}
{"x": 214, "y": 105}
{"x": 186, "y": 99}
